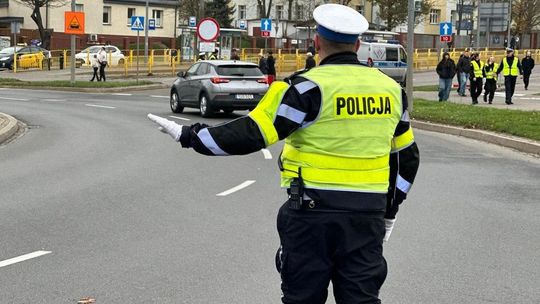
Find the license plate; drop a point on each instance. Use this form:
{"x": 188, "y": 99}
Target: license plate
{"x": 244, "y": 96}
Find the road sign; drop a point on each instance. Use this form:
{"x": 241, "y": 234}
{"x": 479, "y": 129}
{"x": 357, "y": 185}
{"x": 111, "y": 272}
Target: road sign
{"x": 266, "y": 24}
{"x": 445, "y": 28}
{"x": 242, "y": 25}
{"x": 74, "y": 23}
{"x": 192, "y": 21}
{"x": 137, "y": 23}
{"x": 151, "y": 24}
{"x": 15, "y": 27}
{"x": 207, "y": 47}
{"x": 265, "y": 33}
{"x": 208, "y": 29}
{"x": 446, "y": 38}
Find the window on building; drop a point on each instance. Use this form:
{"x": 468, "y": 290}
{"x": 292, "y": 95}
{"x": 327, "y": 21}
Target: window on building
{"x": 79, "y": 7}
{"x": 453, "y": 15}
{"x": 241, "y": 12}
{"x": 158, "y": 16}
{"x": 299, "y": 12}
{"x": 130, "y": 12}
{"x": 360, "y": 9}
{"x": 106, "y": 15}
{"x": 434, "y": 16}
{"x": 260, "y": 11}
{"x": 279, "y": 12}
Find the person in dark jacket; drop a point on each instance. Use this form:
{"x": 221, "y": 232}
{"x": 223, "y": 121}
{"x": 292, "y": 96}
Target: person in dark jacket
{"x": 271, "y": 64}
{"x": 490, "y": 75}
{"x": 310, "y": 62}
{"x": 463, "y": 70}
{"x": 446, "y": 69}
{"x": 263, "y": 65}
{"x": 527, "y": 64}
{"x": 234, "y": 55}
{"x": 510, "y": 66}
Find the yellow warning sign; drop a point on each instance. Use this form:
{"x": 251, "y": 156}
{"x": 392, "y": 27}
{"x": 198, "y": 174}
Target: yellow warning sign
{"x": 74, "y": 22}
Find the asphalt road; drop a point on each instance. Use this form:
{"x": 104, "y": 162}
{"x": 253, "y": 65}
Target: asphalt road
{"x": 113, "y": 209}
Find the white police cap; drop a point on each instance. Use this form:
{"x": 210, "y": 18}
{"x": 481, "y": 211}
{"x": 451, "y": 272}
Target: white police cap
{"x": 339, "y": 23}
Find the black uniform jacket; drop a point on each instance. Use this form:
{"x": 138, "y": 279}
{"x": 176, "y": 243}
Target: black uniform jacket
{"x": 242, "y": 136}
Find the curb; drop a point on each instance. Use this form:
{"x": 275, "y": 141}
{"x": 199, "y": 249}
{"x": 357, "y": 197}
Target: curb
{"x": 520, "y": 144}
{"x": 8, "y": 131}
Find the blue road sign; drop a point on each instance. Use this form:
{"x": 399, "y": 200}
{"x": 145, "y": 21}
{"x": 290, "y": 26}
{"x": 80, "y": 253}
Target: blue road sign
{"x": 243, "y": 24}
{"x": 151, "y": 24}
{"x": 137, "y": 23}
{"x": 192, "y": 21}
{"x": 445, "y": 28}
{"x": 266, "y": 24}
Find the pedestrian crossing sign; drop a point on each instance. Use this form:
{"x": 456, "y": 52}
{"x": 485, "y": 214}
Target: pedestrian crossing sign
{"x": 137, "y": 23}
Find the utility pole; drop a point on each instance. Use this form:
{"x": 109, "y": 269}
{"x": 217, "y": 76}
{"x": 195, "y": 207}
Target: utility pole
{"x": 478, "y": 26}
{"x": 410, "y": 51}
{"x": 73, "y": 7}
{"x": 146, "y": 35}
{"x": 509, "y": 20}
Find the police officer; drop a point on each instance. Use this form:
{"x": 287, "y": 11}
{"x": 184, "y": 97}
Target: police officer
{"x": 491, "y": 79}
{"x": 348, "y": 162}
{"x": 477, "y": 78}
{"x": 510, "y": 67}
{"x": 214, "y": 55}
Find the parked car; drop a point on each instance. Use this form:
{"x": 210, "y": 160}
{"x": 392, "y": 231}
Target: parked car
{"x": 213, "y": 85}
{"x": 28, "y": 57}
{"x": 85, "y": 56}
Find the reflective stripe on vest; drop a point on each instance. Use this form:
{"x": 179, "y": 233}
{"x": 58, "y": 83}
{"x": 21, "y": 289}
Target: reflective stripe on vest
{"x": 348, "y": 146}
{"x": 510, "y": 70}
{"x": 478, "y": 69}
{"x": 266, "y": 109}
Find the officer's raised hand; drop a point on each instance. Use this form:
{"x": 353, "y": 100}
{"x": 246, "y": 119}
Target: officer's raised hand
{"x": 167, "y": 126}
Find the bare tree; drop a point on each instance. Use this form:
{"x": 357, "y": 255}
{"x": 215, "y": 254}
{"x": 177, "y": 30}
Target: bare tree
{"x": 394, "y": 12}
{"x": 36, "y": 5}
{"x": 526, "y": 15}
{"x": 264, "y": 7}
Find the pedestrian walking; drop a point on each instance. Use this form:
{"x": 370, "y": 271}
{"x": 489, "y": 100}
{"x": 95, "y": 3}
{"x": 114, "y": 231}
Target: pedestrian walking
{"x": 490, "y": 73}
{"x": 477, "y": 77}
{"x": 527, "y": 63}
{"x": 446, "y": 69}
{"x": 263, "y": 65}
{"x": 348, "y": 161}
{"x": 510, "y": 67}
{"x": 310, "y": 61}
{"x": 102, "y": 59}
{"x": 95, "y": 67}
{"x": 234, "y": 55}
{"x": 463, "y": 70}
{"x": 271, "y": 63}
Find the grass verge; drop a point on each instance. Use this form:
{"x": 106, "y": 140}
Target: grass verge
{"x": 426, "y": 88}
{"x": 513, "y": 122}
{"x": 12, "y": 82}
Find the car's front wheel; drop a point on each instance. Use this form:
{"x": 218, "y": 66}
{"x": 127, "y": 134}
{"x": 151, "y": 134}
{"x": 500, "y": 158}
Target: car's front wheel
{"x": 204, "y": 106}
{"x": 176, "y": 105}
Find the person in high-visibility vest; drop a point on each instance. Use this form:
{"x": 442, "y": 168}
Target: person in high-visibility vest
{"x": 348, "y": 162}
{"x": 511, "y": 68}
{"x": 490, "y": 74}
{"x": 477, "y": 77}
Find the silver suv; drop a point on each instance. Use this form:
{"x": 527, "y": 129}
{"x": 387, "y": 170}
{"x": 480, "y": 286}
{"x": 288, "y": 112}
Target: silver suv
{"x": 213, "y": 85}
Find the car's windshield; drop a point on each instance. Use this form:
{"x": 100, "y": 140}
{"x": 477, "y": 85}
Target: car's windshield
{"x": 9, "y": 51}
{"x": 238, "y": 70}
{"x": 92, "y": 49}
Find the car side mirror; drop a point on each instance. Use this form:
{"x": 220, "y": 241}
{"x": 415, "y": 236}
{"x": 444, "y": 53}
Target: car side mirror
{"x": 181, "y": 74}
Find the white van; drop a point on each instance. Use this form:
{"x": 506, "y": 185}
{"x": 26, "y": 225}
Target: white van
{"x": 390, "y": 58}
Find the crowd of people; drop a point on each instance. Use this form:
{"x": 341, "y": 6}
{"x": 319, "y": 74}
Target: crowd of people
{"x": 482, "y": 76}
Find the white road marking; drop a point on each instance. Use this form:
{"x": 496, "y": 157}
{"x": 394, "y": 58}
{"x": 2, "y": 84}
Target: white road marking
{"x": 234, "y": 189}
{"x": 181, "y": 118}
{"x": 11, "y": 98}
{"x": 526, "y": 98}
{"x": 267, "y": 154}
{"x": 54, "y": 100}
{"x": 121, "y": 94}
{"x": 22, "y": 258}
{"x": 99, "y": 106}
{"x": 159, "y": 96}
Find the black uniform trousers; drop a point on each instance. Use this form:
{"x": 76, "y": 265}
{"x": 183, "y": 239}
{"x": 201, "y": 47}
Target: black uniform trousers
{"x": 102, "y": 71}
{"x": 476, "y": 89}
{"x": 322, "y": 245}
{"x": 526, "y": 77}
{"x": 490, "y": 87}
{"x": 509, "y": 86}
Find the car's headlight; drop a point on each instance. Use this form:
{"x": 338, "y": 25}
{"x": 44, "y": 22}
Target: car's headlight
{"x": 4, "y": 58}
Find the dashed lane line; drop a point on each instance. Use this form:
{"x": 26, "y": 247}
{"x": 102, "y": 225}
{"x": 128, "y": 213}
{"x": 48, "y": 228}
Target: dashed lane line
{"x": 237, "y": 188}
{"x": 12, "y": 98}
{"x": 99, "y": 106}
{"x": 121, "y": 94}
{"x": 160, "y": 96}
{"x": 23, "y": 258}
{"x": 267, "y": 154}
{"x": 181, "y": 118}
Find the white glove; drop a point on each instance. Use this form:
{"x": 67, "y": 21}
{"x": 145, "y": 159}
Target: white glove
{"x": 388, "y": 226}
{"x": 167, "y": 126}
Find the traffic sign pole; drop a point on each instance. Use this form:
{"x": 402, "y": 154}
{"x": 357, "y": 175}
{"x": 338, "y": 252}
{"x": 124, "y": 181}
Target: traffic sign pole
{"x": 72, "y": 78}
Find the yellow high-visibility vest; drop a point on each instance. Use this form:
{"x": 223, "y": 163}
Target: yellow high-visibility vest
{"x": 477, "y": 69}
{"x": 510, "y": 70}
